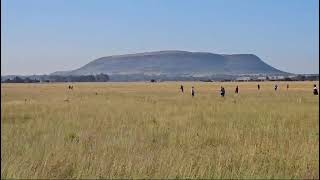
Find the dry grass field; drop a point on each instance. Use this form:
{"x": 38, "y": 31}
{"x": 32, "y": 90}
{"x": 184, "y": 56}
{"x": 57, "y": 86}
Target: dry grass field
{"x": 151, "y": 130}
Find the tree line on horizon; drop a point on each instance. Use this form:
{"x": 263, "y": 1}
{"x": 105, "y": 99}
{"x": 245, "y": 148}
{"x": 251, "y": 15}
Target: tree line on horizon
{"x": 56, "y": 78}
{"x": 106, "y": 78}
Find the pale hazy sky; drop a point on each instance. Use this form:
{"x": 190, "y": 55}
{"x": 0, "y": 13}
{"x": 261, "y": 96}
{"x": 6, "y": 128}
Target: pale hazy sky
{"x": 43, "y": 36}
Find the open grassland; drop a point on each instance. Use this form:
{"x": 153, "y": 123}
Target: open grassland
{"x": 151, "y": 130}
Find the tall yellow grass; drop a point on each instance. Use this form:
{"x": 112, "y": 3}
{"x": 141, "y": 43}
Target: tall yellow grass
{"x": 151, "y": 130}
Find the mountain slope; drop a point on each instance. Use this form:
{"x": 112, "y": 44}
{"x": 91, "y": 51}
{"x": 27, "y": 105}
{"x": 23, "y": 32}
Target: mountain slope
{"x": 176, "y": 63}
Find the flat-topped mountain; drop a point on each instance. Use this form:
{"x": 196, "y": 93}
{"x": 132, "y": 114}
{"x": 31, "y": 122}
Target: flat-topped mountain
{"x": 176, "y": 63}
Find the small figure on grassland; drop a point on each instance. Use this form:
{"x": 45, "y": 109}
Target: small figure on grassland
{"x": 315, "y": 90}
{"x": 222, "y": 91}
{"x": 192, "y": 91}
{"x": 181, "y": 88}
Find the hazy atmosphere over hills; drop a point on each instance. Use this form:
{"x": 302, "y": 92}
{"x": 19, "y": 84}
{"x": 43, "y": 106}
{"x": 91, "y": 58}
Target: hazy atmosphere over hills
{"x": 176, "y": 63}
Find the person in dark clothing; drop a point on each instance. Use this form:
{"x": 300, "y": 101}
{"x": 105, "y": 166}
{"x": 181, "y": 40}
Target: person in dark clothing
{"x": 237, "y": 90}
{"x": 222, "y": 91}
{"x": 258, "y": 86}
{"x": 287, "y": 86}
{"x": 181, "y": 87}
{"x": 276, "y": 87}
{"x": 315, "y": 90}
{"x": 192, "y": 91}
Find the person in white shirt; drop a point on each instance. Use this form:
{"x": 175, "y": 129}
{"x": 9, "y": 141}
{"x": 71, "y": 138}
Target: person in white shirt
{"x": 315, "y": 90}
{"x": 222, "y": 91}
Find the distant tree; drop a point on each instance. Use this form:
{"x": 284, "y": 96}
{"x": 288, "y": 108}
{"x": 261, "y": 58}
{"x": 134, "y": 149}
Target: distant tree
{"x": 287, "y": 79}
{"x": 17, "y": 80}
{"x": 206, "y": 80}
{"x": 101, "y": 78}
{"x": 27, "y": 80}
{"x": 312, "y": 78}
{"x": 301, "y": 77}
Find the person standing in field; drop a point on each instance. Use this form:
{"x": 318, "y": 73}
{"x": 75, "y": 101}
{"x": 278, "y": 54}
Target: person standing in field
{"x": 237, "y": 90}
{"x": 276, "y": 87}
{"x": 222, "y": 91}
{"x": 258, "y": 86}
{"x": 192, "y": 91}
{"x": 181, "y": 87}
{"x": 287, "y": 86}
{"x": 315, "y": 90}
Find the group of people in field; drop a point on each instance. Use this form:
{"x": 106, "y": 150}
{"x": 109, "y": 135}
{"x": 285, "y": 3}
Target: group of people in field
{"x": 223, "y": 92}
{"x": 70, "y": 87}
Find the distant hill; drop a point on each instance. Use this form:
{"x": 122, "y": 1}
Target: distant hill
{"x": 176, "y": 63}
